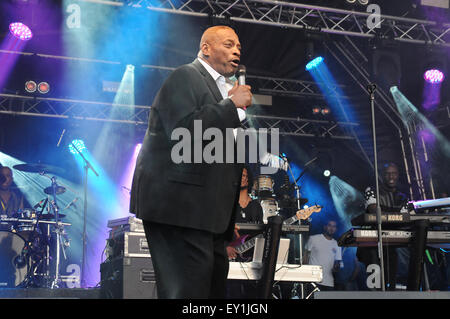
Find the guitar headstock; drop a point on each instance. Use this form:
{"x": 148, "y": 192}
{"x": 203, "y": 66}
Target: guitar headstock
{"x": 306, "y": 212}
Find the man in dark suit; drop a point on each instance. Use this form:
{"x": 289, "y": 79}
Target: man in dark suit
{"x": 187, "y": 208}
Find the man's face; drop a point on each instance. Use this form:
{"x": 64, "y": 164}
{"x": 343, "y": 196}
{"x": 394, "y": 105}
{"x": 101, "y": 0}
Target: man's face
{"x": 223, "y": 51}
{"x": 244, "y": 179}
{"x": 330, "y": 228}
{"x": 7, "y": 174}
{"x": 390, "y": 176}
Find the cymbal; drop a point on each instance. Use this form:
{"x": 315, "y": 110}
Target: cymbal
{"x": 59, "y": 190}
{"x": 38, "y": 168}
{"x": 51, "y": 216}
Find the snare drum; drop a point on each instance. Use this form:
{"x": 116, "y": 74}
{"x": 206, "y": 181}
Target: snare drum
{"x": 269, "y": 207}
{"x": 25, "y": 227}
{"x": 13, "y": 266}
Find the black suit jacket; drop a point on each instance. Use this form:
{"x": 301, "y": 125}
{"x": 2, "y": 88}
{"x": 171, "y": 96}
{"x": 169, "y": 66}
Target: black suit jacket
{"x": 194, "y": 195}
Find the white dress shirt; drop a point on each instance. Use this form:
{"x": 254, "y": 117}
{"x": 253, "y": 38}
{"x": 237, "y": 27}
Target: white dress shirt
{"x": 224, "y": 85}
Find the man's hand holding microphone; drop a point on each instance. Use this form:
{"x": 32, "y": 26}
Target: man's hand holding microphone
{"x": 241, "y": 94}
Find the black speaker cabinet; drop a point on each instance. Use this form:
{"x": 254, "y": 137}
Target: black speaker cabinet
{"x": 128, "y": 278}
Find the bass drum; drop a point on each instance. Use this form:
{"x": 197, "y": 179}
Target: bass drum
{"x": 13, "y": 266}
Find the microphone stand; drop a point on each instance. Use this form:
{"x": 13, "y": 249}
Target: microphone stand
{"x": 58, "y": 231}
{"x": 297, "y": 191}
{"x": 371, "y": 88}
{"x": 87, "y": 166}
{"x": 300, "y": 242}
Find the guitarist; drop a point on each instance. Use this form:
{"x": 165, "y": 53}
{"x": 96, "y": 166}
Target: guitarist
{"x": 248, "y": 210}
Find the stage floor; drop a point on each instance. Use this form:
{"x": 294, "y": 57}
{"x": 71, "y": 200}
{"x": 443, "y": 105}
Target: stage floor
{"x": 47, "y": 293}
{"x": 382, "y": 295}
{"x": 94, "y": 293}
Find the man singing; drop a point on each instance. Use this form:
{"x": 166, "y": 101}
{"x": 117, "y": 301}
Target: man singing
{"x": 187, "y": 208}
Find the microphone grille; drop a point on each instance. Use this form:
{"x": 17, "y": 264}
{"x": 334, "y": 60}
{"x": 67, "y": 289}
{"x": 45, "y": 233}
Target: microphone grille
{"x": 241, "y": 69}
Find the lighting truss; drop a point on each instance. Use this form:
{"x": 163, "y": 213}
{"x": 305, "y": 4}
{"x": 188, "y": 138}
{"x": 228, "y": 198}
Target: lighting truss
{"x": 71, "y": 109}
{"x": 291, "y": 87}
{"x": 289, "y": 126}
{"x": 305, "y": 17}
{"x": 100, "y": 111}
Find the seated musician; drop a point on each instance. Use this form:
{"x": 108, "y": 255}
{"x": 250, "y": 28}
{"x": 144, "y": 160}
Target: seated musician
{"x": 10, "y": 200}
{"x": 391, "y": 201}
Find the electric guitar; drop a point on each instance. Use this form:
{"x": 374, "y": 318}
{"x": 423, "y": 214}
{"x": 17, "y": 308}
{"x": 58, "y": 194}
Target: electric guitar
{"x": 241, "y": 245}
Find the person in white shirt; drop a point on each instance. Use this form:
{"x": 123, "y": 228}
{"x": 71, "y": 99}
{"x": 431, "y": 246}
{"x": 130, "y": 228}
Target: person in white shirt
{"x": 323, "y": 250}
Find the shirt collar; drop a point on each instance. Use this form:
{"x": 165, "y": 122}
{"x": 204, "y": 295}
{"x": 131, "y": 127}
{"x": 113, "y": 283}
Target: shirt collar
{"x": 214, "y": 74}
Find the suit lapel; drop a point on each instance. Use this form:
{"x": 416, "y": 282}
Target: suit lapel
{"x": 209, "y": 80}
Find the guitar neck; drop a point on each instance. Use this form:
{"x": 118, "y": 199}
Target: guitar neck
{"x": 291, "y": 220}
{"x": 247, "y": 245}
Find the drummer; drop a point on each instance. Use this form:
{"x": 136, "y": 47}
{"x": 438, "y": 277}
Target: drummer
{"x": 10, "y": 200}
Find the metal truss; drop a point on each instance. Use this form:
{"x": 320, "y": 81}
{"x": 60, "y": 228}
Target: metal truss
{"x": 138, "y": 115}
{"x": 279, "y": 86}
{"x": 288, "y": 126}
{"x": 291, "y": 87}
{"x": 264, "y": 84}
{"x": 305, "y": 17}
{"x": 73, "y": 109}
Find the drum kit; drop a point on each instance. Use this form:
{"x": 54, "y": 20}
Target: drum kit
{"x": 31, "y": 240}
{"x": 271, "y": 201}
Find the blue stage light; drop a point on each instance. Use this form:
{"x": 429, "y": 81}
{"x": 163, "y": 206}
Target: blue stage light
{"x": 79, "y": 144}
{"x": 314, "y": 63}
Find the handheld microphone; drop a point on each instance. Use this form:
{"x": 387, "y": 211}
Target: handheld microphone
{"x": 240, "y": 74}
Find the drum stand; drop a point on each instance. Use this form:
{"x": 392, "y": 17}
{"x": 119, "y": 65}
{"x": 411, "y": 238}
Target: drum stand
{"x": 29, "y": 244}
{"x": 59, "y": 231}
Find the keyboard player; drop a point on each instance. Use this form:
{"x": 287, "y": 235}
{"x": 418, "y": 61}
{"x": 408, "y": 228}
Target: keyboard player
{"x": 392, "y": 200}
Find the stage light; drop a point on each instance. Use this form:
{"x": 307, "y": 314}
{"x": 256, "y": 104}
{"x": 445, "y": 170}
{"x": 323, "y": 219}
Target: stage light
{"x": 434, "y": 76}
{"x": 363, "y": 2}
{"x": 325, "y": 111}
{"x": 316, "y": 110}
{"x": 326, "y": 173}
{"x": 43, "y": 87}
{"x": 314, "y": 63}
{"x": 20, "y": 31}
{"x": 130, "y": 67}
{"x": 30, "y": 86}
{"x": 80, "y": 147}
{"x": 351, "y": 1}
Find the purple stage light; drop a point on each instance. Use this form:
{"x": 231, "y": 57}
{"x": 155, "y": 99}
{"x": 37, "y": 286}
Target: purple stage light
{"x": 434, "y": 76}
{"x": 20, "y": 31}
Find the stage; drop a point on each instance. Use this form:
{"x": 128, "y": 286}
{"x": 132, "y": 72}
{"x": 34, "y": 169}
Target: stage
{"x": 338, "y": 92}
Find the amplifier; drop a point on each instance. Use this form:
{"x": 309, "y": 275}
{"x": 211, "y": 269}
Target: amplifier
{"x": 128, "y": 244}
{"x": 127, "y": 278}
{"x": 131, "y": 223}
